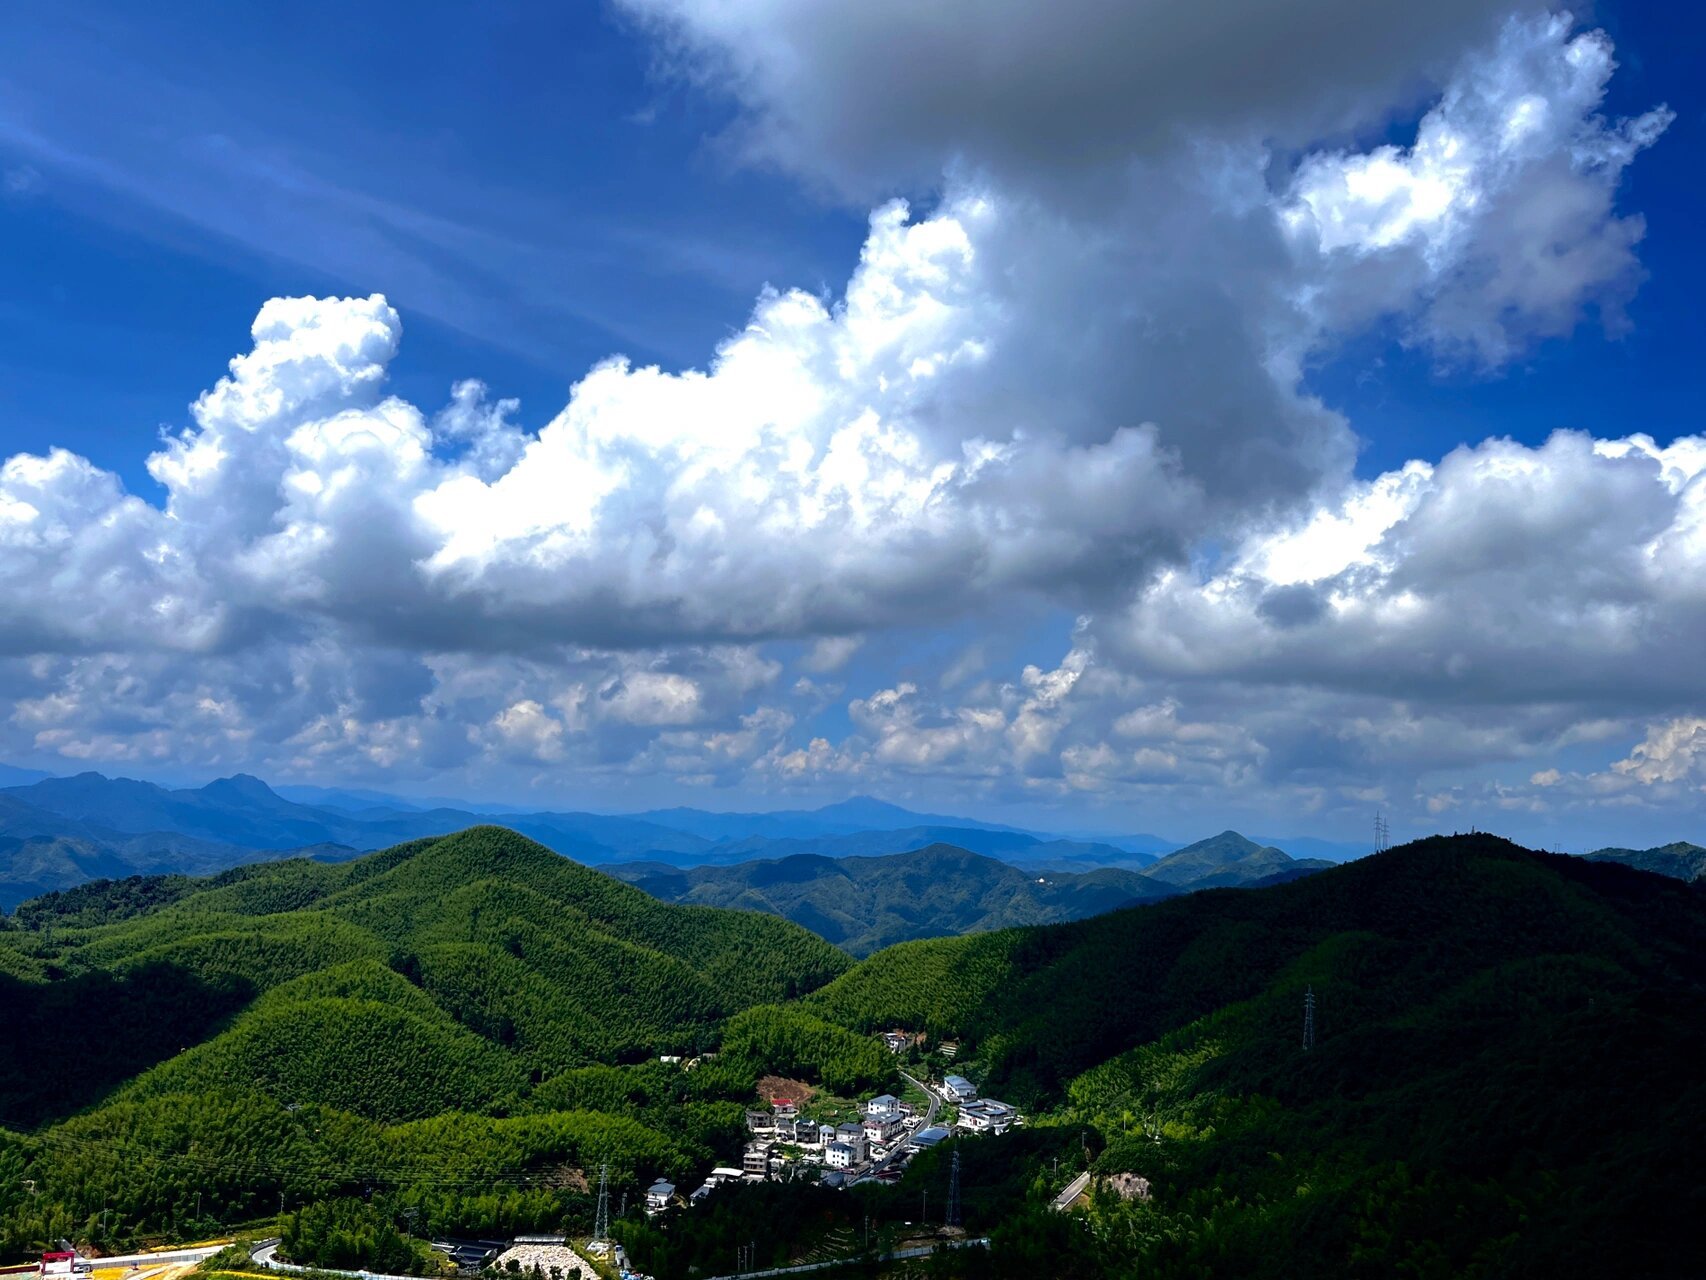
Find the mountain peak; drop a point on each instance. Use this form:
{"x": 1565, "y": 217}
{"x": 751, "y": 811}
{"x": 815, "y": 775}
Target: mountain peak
{"x": 244, "y": 782}
{"x": 242, "y": 787}
{"x": 863, "y": 805}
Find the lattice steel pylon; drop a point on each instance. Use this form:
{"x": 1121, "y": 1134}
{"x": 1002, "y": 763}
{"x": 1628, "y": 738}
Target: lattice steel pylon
{"x": 1309, "y": 1019}
{"x": 601, "y": 1222}
{"x": 952, "y": 1219}
{"x": 1382, "y": 834}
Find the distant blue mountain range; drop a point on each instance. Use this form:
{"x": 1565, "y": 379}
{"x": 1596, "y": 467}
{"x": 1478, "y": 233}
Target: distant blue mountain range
{"x": 59, "y": 831}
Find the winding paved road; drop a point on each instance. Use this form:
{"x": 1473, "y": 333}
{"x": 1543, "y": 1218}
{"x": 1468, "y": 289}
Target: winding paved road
{"x": 263, "y": 1252}
{"x": 900, "y": 1147}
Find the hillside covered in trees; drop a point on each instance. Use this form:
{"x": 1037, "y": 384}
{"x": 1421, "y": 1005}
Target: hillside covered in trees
{"x": 1503, "y": 1069}
{"x": 447, "y": 1035}
{"x": 864, "y": 904}
{"x": 1680, "y": 859}
{"x": 287, "y": 1029}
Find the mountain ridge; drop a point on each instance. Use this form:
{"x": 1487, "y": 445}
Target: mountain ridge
{"x": 864, "y": 903}
{"x": 1679, "y": 859}
{"x": 67, "y": 830}
{"x": 419, "y": 1025}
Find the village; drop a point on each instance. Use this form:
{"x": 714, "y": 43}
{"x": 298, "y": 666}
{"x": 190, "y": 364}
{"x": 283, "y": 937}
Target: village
{"x": 841, "y": 1142}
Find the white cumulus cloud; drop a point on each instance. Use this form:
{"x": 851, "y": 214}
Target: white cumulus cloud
{"x": 1071, "y": 382}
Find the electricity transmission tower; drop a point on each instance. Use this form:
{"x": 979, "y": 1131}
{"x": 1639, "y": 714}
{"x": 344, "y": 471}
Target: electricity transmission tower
{"x": 1382, "y": 834}
{"x": 953, "y": 1216}
{"x": 601, "y": 1223}
{"x": 1309, "y": 1019}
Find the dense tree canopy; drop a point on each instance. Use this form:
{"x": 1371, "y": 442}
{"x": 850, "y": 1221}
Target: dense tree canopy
{"x": 448, "y": 1037}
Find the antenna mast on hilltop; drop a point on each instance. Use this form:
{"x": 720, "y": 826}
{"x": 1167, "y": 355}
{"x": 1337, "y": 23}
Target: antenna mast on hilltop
{"x": 1309, "y": 1019}
{"x": 953, "y": 1218}
{"x": 601, "y": 1223}
{"x": 1382, "y": 834}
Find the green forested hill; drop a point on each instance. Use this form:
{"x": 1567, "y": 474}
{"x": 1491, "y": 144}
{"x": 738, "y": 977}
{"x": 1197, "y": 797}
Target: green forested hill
{"x": 1041, "y": 1005}
{"x": 1504, "y": 1082}
{"x": 441, "y": 984}
{"x": 863, "y": 904}
{"x": 521, "y": 963}
{"x": 1679, "y": 859}
{"x": 1504, "y": 1074}
{"x": 1226, "y": 860}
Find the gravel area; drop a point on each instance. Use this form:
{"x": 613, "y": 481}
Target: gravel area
{"x": 546, "y": 1256}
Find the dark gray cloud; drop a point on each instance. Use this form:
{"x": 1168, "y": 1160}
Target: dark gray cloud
{"x": 874, "y": 96}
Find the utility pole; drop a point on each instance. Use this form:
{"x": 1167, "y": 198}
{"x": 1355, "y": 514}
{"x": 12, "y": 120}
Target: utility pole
{"x": 924, "y": 1216}
{"x": 1309, "y": 1019}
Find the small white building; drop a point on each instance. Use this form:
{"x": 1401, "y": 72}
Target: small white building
{"x": 881, "y": 1129}
{"x": 958, "y": 1089}
{"x": 756, "y": 1161}
{"x": 840, "y": 1155}
{"x": 853, "y": 1135}
{"x": 658, "y": 1196}
{"x": 826, "y": 1133}
{"x": 986, "y": 1115}
{"x": 884, "y": 1104}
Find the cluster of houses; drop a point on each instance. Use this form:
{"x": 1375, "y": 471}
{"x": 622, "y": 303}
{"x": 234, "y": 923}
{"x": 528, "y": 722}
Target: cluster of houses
{"x": 784, "y": 1143}
{"x": 884, "y": 1122}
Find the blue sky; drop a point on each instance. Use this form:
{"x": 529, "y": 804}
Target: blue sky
{"x": 536, "y": 188}
{"x": 510, "y": 176}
